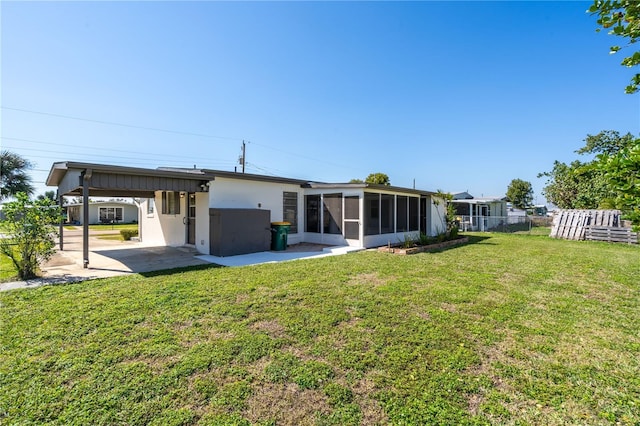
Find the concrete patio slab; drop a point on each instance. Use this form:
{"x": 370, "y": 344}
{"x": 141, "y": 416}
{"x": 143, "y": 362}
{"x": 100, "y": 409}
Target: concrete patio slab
{"x": 275, "y": 256}
{"x": 109, "y": 258}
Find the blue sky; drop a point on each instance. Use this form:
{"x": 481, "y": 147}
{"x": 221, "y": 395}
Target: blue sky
{"x": 456, "y": 95}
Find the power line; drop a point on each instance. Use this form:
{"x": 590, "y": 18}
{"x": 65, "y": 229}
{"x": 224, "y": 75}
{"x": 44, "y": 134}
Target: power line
{"x": 288, "y": 152}
{"x": 163, "y": 156}
{"x": 113, "y": 123}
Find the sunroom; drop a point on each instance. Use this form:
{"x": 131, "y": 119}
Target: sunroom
{"x": 365, "y": 215}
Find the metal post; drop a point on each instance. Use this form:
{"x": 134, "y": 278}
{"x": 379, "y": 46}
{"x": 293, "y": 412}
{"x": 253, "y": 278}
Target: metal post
{"x": 61, "y": 229}
{"x": 86, "y": 177}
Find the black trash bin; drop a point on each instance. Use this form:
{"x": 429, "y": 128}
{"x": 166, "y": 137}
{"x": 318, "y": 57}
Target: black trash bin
{"x": 279, "y": 233}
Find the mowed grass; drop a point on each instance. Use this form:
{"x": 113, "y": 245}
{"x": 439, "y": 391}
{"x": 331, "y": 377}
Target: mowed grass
{"x": 108, "y": 228}
{"x": 509, "y": 329}
{"x": 7, "y": 269}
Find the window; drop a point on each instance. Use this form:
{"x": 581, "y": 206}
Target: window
{"x": 401, "y": 213}
{"x": 312, "y": 205}
{"x": 110, "y": 214}
{"x": 371, "y": 213}
{"x": 386, "y": 213}
{"x": 290, "y": 210}
{"x": 170, "y": 202}
{"x": 151, "y": 206}
{"x": 414, "y": 214}
{"x": 332, "y": 213}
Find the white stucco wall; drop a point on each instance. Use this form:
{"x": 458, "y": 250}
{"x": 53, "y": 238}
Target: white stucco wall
{"x": 202, "y": 222}
{"x": 163, "y": 229}
{"x": 437, "y": 211}
{"x": 245, "y": 194}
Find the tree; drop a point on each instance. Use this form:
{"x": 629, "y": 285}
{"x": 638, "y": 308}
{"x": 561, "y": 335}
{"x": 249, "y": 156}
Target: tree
{"x": 30, "y": 231}
{"x": 51, "y": 195}
{"x": 356, "y": 180}
{"x": 576, "y": 186}
{"x": 622, "y": 172}
{"x": 622, "y": 18}
{"x": 610, "y": 180}
{"x": 449, "y": 211}
{"x": 378, "y": 179}
{"x": 607, "y": 142}
{"x": 13, "y": 175}
{"x": 520, "y": 193}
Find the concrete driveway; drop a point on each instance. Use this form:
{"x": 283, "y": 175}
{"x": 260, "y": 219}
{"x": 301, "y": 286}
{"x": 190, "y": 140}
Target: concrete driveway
{"x": 107, "y": 258}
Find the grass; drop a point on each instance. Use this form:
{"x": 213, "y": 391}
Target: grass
{"x": 105, "y": 227}
{"x": 510, "y": 329}
{"x": 8, "y": 271}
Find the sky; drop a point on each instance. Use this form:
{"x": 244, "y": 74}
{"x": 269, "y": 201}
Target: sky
{"x": 452, "y": 96}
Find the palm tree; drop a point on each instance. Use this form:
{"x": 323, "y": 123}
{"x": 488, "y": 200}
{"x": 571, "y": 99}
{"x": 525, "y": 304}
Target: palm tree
{"x": 13, "y": 175}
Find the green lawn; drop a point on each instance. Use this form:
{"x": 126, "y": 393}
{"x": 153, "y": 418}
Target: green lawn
{"x": 509, "y": 329}
{"x": 105, "y": 227}
{"x": 7, "y": 270}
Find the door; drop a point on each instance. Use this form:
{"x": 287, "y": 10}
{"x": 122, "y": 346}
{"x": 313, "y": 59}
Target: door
{"x": 191, "y": 218}
{"x": 351, "y": 220}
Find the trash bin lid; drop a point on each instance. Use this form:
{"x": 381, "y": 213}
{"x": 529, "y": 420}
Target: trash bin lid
{"x": 281, "y": 223}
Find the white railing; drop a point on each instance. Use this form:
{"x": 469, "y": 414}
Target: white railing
{"x": 494, "y": 223}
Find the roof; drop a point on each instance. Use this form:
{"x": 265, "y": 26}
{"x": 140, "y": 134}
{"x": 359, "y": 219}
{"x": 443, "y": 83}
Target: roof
{"x": 102, "y": 203}
{"x": 110, "y": 180}
{"x": 478, "y": 200}
{"x": 119, "y": 181}
{"x": 59, "y": 169}
{"x": 377, "y": 187}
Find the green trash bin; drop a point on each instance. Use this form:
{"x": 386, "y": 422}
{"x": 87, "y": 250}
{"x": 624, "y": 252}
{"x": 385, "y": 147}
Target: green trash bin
{"x": 279, "y": 232}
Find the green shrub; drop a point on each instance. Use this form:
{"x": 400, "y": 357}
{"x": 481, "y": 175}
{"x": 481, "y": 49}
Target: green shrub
{"x": 127, "y": 234}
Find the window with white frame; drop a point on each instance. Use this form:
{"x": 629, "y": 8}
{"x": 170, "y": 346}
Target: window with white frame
{"x": 151, "y": 206}
{"x": 110, "y": 214}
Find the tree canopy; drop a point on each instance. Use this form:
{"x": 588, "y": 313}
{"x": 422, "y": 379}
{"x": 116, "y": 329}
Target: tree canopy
{"x": 610, "y": 180}
{"x": 622, "y": 19}
{"x": 13, "y": 175}
{"x": 520, "y": 193}
{"x": 378, "y": 178}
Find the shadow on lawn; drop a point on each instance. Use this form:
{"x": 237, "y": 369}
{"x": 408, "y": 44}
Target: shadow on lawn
{"x": 475, "y": 239}
{"x": 180, "y": 270}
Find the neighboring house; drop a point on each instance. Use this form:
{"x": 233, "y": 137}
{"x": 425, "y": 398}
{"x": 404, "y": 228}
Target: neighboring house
{"x": 103, "y": 212}
{"x": 479, "y": 213}
{"x": 537, "y": 210}
{"x": 226, "y": 213}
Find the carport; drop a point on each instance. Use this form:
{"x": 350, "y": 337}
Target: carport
{"x": 99, "y": 180}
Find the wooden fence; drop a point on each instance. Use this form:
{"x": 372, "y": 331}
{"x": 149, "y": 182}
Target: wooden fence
{"x": 572, "y": 224}
{"x": 612, "y": 235}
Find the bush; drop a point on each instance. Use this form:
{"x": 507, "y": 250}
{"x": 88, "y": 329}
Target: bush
{"x": 127, "y": 234}
{"x": 30, "y": 231}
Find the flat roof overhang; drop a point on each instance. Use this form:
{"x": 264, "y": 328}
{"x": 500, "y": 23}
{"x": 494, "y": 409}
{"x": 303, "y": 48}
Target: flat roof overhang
{"x": 365, "y": 186}
{"x": 119, "y": 181}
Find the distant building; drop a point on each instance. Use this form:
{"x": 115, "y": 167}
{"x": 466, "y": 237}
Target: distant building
{"x": 103, "y": 212}
{"x": 479, "y": 213}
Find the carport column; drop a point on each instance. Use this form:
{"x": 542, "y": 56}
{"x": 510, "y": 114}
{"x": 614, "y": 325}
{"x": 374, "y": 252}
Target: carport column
{"x": 86, "y": 177}
{"x": 61, "y": 229}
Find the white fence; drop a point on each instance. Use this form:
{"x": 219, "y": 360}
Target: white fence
{"x": 494, "y": 223}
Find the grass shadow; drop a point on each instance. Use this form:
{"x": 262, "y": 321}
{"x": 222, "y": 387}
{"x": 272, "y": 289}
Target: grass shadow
{"x": 180, "y": 270}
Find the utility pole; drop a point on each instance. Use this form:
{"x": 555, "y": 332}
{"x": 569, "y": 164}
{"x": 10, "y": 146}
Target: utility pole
{"x": 244, "y": 155}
